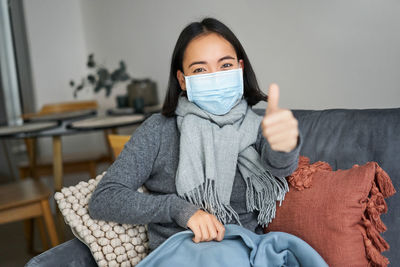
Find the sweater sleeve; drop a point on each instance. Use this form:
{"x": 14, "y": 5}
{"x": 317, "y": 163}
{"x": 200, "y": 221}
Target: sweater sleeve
{"x": 116, "y": 197}
{"x": 281, "y": 164}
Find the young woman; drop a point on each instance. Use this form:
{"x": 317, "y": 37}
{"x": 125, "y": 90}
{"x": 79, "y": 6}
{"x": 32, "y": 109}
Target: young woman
{"x": 208, "y": 159}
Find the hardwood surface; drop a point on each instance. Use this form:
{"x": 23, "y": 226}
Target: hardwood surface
{"x": 26, "y": 200}
{"x": 16, "y": 194}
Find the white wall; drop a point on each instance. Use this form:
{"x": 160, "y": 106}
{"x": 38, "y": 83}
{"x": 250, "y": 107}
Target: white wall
{"x": 58, "y": 54}
{"x": 323, "y": 54}
{"x": 57, "y": 45}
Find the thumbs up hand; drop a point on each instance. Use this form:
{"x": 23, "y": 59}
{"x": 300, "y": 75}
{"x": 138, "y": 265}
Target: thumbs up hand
{"x": 279, "y": 126}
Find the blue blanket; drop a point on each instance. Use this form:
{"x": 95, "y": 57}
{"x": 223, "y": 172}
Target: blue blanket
{"x": 240, "y": 247}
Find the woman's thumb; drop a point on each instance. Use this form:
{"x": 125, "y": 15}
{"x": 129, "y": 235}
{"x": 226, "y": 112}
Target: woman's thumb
{"x": 273, "y": 98}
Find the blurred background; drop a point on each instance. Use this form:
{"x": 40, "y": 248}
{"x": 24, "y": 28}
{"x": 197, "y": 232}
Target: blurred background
{"x": 322, "y": 54}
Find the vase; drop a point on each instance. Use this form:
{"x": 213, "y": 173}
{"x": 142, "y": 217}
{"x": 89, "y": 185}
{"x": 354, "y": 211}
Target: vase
{"x": 145, "y": 89}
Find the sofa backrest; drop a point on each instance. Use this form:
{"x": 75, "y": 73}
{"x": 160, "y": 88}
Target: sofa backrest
{"x": 344, "y": 137}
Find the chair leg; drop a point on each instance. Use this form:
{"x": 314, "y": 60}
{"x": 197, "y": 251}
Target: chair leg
{"x": 42, "y": 232}
{"x": 29, "y": 234}
{"x": 48, "y": 218}
{"x": 22, "y": 173}
{"x": 31, "y": 144}
{"x": 92, "y": 169}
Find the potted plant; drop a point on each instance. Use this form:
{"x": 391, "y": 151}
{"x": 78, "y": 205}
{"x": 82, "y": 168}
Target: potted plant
{"x": 139, "y": 93}
{"x": 100, "y": 78}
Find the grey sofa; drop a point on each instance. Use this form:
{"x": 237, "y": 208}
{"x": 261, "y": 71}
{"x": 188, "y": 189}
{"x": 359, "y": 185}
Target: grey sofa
{"x": 341, "y": 137}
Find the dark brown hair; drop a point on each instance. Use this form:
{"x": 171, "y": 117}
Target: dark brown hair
{"x": 252, "y": 92}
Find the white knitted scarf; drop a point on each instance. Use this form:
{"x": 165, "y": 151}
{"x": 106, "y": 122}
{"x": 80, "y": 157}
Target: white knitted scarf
{"x": 211, "y": 148}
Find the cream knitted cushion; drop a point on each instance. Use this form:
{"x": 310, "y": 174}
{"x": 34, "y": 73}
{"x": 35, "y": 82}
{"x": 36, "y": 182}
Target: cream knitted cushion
{"x": 111, "y": 243}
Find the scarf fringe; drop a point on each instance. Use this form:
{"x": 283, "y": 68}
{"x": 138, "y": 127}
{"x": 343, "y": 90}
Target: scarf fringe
{"x": 205, "y": 196}
{"x": 273, "y": 189}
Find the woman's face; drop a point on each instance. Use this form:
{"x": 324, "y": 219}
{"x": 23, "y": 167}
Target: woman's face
{"x": 205, "y": 54}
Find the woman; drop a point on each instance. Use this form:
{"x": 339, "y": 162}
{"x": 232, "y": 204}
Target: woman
{"x": 208, "y": 159}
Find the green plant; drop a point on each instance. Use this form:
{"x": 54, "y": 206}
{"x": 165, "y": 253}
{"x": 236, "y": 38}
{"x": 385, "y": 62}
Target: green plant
{"x": 100, "y": 77}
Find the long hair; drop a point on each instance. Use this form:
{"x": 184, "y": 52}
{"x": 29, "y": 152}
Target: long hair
{"x": 252, "y": 92}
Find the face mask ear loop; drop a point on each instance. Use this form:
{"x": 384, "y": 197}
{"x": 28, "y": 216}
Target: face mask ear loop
{"x": 188, "y": 88}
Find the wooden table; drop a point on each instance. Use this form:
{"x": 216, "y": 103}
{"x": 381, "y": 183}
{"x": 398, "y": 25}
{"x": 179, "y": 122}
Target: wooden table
{"x": 76, "y": 126}
{"x": 67, "y": 125}
{"x": 26, "y": 129}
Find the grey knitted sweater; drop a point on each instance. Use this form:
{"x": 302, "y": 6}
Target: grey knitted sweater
{"x": 151, "y": 158}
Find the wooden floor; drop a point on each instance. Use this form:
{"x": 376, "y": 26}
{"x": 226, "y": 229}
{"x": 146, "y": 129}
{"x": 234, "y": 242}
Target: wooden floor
{"x": 13, "y": 250}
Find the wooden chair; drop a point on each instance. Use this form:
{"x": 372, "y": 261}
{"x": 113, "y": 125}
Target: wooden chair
{"x": 117, "y": 143}
{"x": 26, "y": 200}
{"x": 63, "y": 107}
{"x": 34, "y": 169}
{"x": 68, "y": 106}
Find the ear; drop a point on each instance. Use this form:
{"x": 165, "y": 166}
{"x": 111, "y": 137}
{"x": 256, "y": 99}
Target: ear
{"x": 181, "y": 79}
{"x": 241, "y": 63}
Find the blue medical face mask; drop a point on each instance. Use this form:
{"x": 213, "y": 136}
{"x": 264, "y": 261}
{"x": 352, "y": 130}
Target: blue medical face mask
{"x": 216, "y": 92}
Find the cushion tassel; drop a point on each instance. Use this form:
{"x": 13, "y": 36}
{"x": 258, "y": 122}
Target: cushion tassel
{"x": 384, "y": 182}
{"x": 375, "y": 257}
{"x": 376, "y": 205}
{"x": 382, "y": 188}
{"x": 374, "y": 235}
{"x": 301, "y": 178}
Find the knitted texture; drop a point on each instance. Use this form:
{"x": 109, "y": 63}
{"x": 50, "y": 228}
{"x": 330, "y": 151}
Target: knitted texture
{"x": 212, "y": 148}
{"x": 111, "y": 244}
{"x": 151, "y": 158}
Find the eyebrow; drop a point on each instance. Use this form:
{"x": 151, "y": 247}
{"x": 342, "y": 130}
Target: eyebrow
{"x": 204, "y": 62}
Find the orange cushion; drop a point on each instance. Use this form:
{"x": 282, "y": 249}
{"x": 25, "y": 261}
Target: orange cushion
{"x": 337, "y": 212}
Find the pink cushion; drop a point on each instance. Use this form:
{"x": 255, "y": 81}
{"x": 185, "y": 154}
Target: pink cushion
{"x": 337, "y": 212}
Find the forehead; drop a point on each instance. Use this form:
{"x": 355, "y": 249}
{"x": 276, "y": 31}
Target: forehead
{"x": 208, "y": 47}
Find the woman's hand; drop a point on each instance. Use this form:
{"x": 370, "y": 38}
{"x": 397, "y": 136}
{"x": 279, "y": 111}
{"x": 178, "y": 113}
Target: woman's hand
{"x": 279, "y": 126}
{"x": 205, "y": 227}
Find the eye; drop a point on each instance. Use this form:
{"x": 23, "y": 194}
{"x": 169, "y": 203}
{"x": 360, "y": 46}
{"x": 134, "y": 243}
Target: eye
{"x": 227, "y": 65}
{"x": 198, "y": 70}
